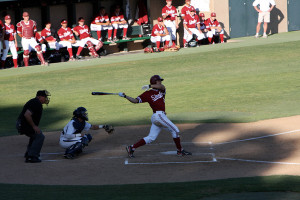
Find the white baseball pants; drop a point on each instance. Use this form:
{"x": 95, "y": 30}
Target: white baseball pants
{"x": 95, "y": 27}
{"x": 43, "y": 46}
{"x": 160, "y": 121}
{"x": 159, "y": 38}
{"x": 84, "y": 41}
{"x": 170, "y": 25}
{"x": 29, "y": 43}
{"x": 66, "y": 143}
{"x": 10, "y": 45}
{"x": 189, "y": 37}
{"x": 117, "y": 26}
{"x": 215, "y": 32}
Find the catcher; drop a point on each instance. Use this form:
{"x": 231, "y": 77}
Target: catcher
{"x": 71, "y": 137}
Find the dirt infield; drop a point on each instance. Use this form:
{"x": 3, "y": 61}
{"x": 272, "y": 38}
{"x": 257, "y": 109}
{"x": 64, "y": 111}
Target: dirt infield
{"x": 220, "y": 150}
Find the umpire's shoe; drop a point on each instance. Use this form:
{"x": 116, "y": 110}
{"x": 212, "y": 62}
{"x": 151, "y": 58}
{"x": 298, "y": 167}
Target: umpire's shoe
{"x": 183, "y": 153}
{"x": 31, "y": 159}
{"x": 130, "y": 151}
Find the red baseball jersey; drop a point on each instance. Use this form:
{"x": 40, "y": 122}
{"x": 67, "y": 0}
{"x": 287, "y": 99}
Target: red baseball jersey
{"x": 1, "y": 28}
{"x": 10, "y": 32}
{"x": 186, "y": 10}
{"x": 46, "y": 35}
{"x": 117, "y": 17}
{"x": 65, "y": 34}
{"x": 101, "y": 19}
{"x": 155, "y": 98}
{"x": 170, "y": 12}
{"x": 84, "y": 31}
{"x": 157, "y": 29}
{"x": 191, "y": 21}
{"x": 211, "y": 23}
{"x": 26, "y": 29}
{"x": 38, "y": 37}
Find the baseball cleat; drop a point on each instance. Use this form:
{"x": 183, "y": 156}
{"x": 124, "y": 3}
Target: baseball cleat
{"x": 78, "y": 57}
{"x": 130, "y": 151}
{"x": 183, "y": 153}
{"x": 125, "y": 38}
{"x": 115, "y": 40}
{"x": 32, "y": 160}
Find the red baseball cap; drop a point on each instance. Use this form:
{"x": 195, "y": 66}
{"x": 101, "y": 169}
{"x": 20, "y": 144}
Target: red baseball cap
{"x": 80, "y": 19}
{"x": 64, "y": 21}
{"x": 25, "y": 14}
{"x": 213, "y": 14}
{"x": 7, "y": 17}
{"x": 192, "y": 9}
{"x": 168, "y": 0}
{"x": 201, "y": 15}
{"x": 160, "y": 19}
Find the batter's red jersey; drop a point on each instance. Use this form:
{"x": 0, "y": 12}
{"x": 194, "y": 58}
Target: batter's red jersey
{"x": 46, "y": 35}
{"x": 65, "y": 34}
{"x": 191, "y": 21}
{"x": 26, "y": 29}
{"x": 211, "y": 23}
{"x": 117, "y": 17}
{"x": 10, "y": 32}
{"x": 157, "y": 29}
{"x": 170, "y": 12}
{"x": 101, "y": 19}
{"x": 84, "y": 31}
{"x": 155, "y": 98}
{"x": 186, "y": 10}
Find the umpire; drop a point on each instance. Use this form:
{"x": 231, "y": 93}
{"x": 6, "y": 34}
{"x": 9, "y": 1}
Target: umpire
{"x": 28, "y": 124}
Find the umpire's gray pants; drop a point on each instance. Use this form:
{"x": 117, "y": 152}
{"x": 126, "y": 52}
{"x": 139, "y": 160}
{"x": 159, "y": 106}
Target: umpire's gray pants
{"x": 35, "y": 144}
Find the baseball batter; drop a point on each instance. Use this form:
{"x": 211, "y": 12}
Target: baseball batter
{"x": 72, "y": 139}
{"x": 10, "y": 41}
{"x": 83, "y": 32}
{"x": 160, "y": 34}
{"x": 191, "y": 25}
{"x": 101, "y": 23}
{"x": 118, "y": 22}
{"x": 26, "y": 30}
{"x": 169, "y": 14}
{"x": 214, "y": 26}
{"x": 156, "y": 99}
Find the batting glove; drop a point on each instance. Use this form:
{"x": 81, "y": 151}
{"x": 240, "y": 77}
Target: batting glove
{"x": 121, "y": 94}
{"x": 146, "y": 87}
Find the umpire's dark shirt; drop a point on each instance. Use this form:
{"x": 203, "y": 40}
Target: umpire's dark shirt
{"x": 36, "y": 108}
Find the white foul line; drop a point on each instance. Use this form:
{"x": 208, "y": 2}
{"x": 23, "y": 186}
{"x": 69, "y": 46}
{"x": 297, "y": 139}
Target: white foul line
{"x": 259, "y": 161}
{"x": 255, "y": 138}
{"x": 163, "y": 163}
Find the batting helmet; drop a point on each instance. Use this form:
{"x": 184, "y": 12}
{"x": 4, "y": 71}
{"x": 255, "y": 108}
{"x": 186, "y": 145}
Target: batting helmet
{"x": 155, "y": 78}
{"x": 213, "y": 14}
{"x": 201, "y": 15}
{"x": 81, "y": 112}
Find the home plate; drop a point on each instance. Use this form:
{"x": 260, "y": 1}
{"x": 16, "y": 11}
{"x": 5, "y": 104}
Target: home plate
{"x": 170, "y": 157}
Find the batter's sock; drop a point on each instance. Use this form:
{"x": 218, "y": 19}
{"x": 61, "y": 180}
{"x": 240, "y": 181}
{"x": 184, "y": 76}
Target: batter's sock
{"x": 79, "y": 50}
{"x": 109, "y": 33}
{"x": 124, "y": 32}
{"x": 15, "y": 63}
{"x": 70, "y": 52}
{"x": 222, "y": 37}
{"x": 177, "y": 143}
{"x": 99, "y": 34}
{"x": 138, "y": 144}
{"x": 158, "y": 44}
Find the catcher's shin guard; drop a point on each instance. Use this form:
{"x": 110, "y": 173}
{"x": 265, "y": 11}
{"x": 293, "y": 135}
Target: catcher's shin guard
{"x": 99, "y": 46}
{"x": 74, "y": 150}
{"x": 40, "y": 54}
{"x": 26, "y": 57}
{"x": 92, "y": 49}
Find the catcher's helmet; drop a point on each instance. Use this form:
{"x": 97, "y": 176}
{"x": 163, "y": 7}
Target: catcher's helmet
{"x": 81, "y": 112}
{"x": 155, "y": 78}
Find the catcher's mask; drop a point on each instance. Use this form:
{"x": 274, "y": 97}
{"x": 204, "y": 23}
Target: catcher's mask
{"x": 44, "y": 93}
{"x": 81, "y": 112}
{"x": 155, "y": 78}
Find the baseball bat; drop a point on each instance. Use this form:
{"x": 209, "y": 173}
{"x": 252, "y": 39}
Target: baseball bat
{"x": 104, "y": 93}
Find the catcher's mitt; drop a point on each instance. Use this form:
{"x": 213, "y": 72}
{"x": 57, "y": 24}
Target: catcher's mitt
{"x": 109, "y": 129}
{"x": 148, "y": 50}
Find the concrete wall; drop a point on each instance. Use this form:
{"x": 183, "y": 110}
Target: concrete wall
{"x": 279, "y": 19}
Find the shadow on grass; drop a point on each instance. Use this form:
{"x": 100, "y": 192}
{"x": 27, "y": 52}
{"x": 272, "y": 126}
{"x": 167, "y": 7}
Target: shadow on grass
{"x": 9, "y": 115}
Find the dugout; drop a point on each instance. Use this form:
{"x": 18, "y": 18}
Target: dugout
{"x": 237, "y": 17}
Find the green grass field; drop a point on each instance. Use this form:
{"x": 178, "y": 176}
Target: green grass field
{"x": 248, "y": 80}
